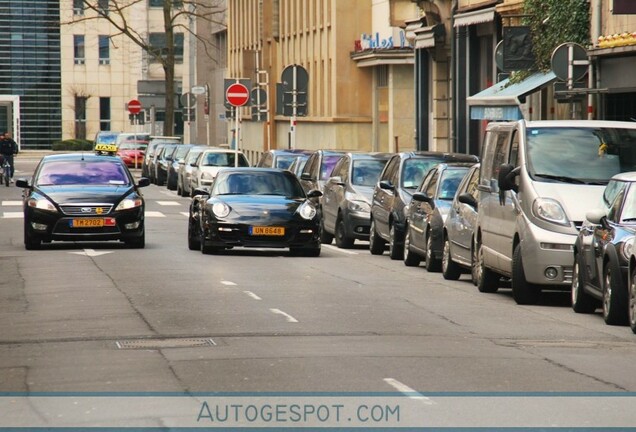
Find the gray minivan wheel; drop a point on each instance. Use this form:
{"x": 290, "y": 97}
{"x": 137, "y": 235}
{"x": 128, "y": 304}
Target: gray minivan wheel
{"x": 486, "y": 280}
{"x": 523, "y": 292}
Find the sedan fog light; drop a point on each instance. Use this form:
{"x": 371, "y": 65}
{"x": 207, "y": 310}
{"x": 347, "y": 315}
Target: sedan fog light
{"x": 133, "y": 225}
{"x": 551, "y": 273}
{"x": 38, "y": 226}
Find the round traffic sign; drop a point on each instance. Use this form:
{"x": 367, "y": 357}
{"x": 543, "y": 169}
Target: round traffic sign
{"x": 237, "y": 95}
{"x": 566, "y": 54}
{"x": 301, "y": 77}
{"x": 134, "y": 106}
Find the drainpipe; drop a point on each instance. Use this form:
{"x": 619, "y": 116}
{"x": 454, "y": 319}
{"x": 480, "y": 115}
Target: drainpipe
{"x": 591, "y": 75}
{"x": 453, "y": 99}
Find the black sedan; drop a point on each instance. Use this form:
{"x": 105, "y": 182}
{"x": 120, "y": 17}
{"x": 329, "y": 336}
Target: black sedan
{"x": 80, "y": 197}
{"x": 254, "y": 207}
{"x": 602, "y": 252}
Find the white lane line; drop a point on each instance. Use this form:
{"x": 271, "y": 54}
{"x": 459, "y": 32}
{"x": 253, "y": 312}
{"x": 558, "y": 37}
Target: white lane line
{"x": 337, "y": 249}
{"x": 13, "y": 215}
{"x": 186, "y": 214}
{"x": 290, "y": 318}
{"x": 11, "y": 203}
{"x": 229, "y": 283}
{"x": 168, "y": 192}
{"x": 251, "y": 294}
{"x": 408, "y": 391}
{"x": 154, "y": 214}
{"x": 168, "y": 203}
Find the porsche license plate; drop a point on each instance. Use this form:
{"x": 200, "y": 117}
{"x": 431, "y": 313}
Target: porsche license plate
{"x": 87, "y": 223}
{"x": 267, "y": 231}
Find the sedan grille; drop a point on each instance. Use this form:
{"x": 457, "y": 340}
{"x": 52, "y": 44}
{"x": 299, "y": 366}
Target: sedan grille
{"x": 86, "y": 209}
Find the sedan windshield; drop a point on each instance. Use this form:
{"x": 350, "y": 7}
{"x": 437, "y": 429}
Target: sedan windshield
{"x": 366, "y": 172}
{"x": 82, "y": 173}
{"x": 257, "y": 184}
{"x": 451, "y": 178}
{"x": 580, "y": 155}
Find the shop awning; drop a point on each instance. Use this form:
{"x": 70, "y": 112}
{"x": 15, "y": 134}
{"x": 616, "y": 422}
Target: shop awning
{"x": 501, "y": 101}
{"x": 474, "y": 17}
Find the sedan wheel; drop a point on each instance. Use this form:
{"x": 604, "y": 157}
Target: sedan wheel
{"x": 342, "y": 240}
{"x": 376, "y": 244}
{"x": 614, "y": 308}
{"x": 632, "y": 301}
{"x": 582, "y": 302}
{"x": 450, "y": 269}
{"x": 396, "y": 251}
{"x": 433, "y": 264}
{"x": 194, "y": 241}
{"x": 411, "y": 259}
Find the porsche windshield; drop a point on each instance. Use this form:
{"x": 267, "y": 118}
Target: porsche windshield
{"x": 580, "y": 155}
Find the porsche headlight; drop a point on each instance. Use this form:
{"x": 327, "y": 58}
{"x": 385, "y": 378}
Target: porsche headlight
{"x": 359, "y": 206}
{"x": 626, "y": 248}
{"x": 220, "y": 209}
{"x": 130, "y": 202}
{"x": 550, "y": 210}
{"x": 41, "y": 203}
{"x": 306, "y": 211}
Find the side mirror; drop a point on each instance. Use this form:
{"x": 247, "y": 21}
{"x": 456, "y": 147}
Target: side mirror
{"x": 506, "y": 178}
{"x": 386, "y": 185}
{"x": 468, "y": 199}
{"x": 22, "y": 183}
{"x": 201, "y": 191}
{"x": 422, "y": 196}
{"x": 143, "y": 182}
{"x": 314, "y": 193}
{"x": 306, "y": 176}
{"x": 596, "y": 216}
{"x": 336, "y": 180}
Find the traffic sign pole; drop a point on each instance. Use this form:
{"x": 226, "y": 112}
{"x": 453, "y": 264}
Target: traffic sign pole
{"x": 292, "y": 120}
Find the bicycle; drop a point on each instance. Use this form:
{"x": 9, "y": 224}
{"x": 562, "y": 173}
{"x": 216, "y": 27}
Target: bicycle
{"x": 5, "y": 172}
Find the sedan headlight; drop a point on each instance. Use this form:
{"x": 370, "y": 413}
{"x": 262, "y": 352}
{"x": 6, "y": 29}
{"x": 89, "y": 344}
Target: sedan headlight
{"x": 41, "y": 203}
{"x": 130, "y": 202}
{"x": 220, "y": 209}
{"x": 359, "y": 206}
{"x": 625, "y": 249}
{"x": 306, "y": 211}
{"x": 550, "y": 210}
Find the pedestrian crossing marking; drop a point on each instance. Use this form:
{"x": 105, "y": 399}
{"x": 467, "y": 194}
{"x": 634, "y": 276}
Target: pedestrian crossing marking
{"x": 168, "y": 203}
{"x": 155, "y": 214}
{"x": 12, "y": 215}
{"x": 11, "y": 203}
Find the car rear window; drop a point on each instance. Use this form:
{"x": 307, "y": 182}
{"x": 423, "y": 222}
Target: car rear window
{"x": 82, "y": 173}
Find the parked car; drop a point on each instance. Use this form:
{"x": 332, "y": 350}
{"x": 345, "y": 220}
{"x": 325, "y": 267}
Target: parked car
{"x": 178, "y": 158}
{"x": 152, "y": 163}
{"x": 132, "y": 153}
{"x": 392, "y": 194}
{"x": 132, "y": 138}
{"x": 631, "y": 286}
{"x": 459, "y": 228}
{"x": 254, "y": 207}
{"x": 427, "y": 212}
{"x": 164, "y": 160}
{"x": 537, "y": 180}
{"x": 602, "y": 251}
{"x": 210, "y": 162}
{"x": 280, "y": 158}
{"x": 346, "y": 200}
{"x": 105, "y": 142}
{"x": 318, "y": 169}
{"x": 298, "y": 164}
{"x": 80, "y": 197}
{"x": 185, "y": 170}
{"x": 150, "y": 151}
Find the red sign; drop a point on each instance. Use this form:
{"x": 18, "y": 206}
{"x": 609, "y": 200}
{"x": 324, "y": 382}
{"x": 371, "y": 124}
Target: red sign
{"x": 134, "y": 106}
{"x": 237, "y": 95}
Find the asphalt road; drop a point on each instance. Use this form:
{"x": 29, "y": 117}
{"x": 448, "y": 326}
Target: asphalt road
{"x": 103, "y": 318}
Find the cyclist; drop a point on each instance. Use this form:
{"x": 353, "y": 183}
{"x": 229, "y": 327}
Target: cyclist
{"x": 8, "y": 147}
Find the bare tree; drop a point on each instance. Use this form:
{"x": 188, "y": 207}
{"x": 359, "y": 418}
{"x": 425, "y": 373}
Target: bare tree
{"x": 177, "y": 14}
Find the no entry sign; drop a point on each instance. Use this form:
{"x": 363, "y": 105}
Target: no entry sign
{"x": 134, "y": 106}
{"x": 237, "y": 95}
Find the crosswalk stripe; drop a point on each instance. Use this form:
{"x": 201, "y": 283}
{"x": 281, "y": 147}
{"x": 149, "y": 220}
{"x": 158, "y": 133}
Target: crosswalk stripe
{"x": 154, "y": 214}
{"x": 13, "y": 215}
{"x": 11, "y": 203}
{"x": 168, "y": 203}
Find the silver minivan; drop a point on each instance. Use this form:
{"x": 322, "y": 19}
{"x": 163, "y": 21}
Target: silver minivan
{"x": 536, "y": 182}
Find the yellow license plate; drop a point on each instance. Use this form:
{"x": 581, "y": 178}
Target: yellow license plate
{"x": 106, "y": 147}
{"x": 87, "y": 223}
{"x": 267, "y": 231}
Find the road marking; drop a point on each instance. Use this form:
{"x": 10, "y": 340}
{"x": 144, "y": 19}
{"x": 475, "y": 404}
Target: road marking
{"x": 91, "y": 252}
{"x": 13, "y": 215}
{"x": 408, "y": 391}
{"x": 229, "y": 283}
{"x": 290, "y": 318}
{"x": 251, "y": 294}
{"x": 168, "y": 203}
{"x": 337, "y": 249}
{"x": 11, "y": 203}
{"x": 168, "y": 192}
{"x": 154, "y": 214}
{"x": 186, "y": 214}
